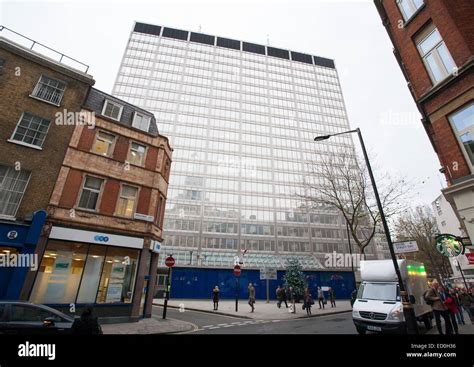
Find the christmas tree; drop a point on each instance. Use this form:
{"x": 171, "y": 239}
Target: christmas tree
{"x": 295, "y": 278}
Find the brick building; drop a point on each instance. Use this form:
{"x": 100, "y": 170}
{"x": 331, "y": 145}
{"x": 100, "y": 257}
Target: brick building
{"x": 106, "y": 213}
{"x": 34, "y": 89}
{"x": 434, "y": 46}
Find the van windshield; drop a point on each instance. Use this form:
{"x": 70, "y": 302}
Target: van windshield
{"x": 379, "y": 291}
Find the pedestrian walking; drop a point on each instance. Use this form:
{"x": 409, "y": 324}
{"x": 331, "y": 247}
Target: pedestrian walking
{"x": 291, "y": 298}
{"x": 321, "y": 299}
{"x": 215, "y": 297}
{"x": 435, "y": 299}
{"x": 466, "y": 302}
{"x": 453, "y": 309}
{"x": 87, "y": 324}
{"x": 459, "y": 314}
{"x": 251, "y": 290}
{"x": 307, "y": 301}
{"x": 281, "y": 296}
{"x": 332, "y": 297}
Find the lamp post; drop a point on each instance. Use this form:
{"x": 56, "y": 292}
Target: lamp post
{"x": 408, "y": 311}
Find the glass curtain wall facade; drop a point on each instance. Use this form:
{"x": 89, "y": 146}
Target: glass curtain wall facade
{"x": 241, "y": 118}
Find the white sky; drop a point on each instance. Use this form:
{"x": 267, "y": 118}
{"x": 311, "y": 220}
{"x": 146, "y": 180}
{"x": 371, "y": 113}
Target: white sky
{"x": 349, "y": 31}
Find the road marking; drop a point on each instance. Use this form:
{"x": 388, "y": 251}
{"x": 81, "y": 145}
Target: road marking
{"x": 215, "y": 327}
{"x": 207, "y": 326}
{"x": 222, "y": 324}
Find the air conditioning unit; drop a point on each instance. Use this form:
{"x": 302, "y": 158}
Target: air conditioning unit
{"x": 146, "y": 218}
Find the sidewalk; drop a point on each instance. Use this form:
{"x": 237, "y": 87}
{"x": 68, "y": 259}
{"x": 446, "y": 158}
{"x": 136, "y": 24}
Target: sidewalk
{"x": 148, "y": 326}
{"x": 263, "y": 310}
{"x": 463, "y": 329}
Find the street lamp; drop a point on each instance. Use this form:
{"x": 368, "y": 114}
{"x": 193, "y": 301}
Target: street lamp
{"x": 408, "y": 311}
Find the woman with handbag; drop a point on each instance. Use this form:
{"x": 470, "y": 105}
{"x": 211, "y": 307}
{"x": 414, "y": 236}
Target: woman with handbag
{"x": 308, "y": 301}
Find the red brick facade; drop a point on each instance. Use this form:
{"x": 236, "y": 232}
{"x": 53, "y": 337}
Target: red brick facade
{"x": 436, "y": 102}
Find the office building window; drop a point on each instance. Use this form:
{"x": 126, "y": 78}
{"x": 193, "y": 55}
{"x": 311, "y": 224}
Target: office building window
{"x": 103, "y": 143}
{"x": 49, "y": 90}
{"x": 141, "y": 122}
{"x": 127, "y": 200}
{"x": 112, "y": 110}
{"x": 409, "y": 7}
{"x": 136, "y": 154}
{"x": 435, "y": 54}
{"x": 90, "y": 193}
{"x": 12, "y": 187}
{"x": 463, "y": 123}
{"x": 31, "y": 130}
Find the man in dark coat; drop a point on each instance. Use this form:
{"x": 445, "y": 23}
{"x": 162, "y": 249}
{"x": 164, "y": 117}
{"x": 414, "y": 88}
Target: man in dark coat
{"x": 87, "y": 324}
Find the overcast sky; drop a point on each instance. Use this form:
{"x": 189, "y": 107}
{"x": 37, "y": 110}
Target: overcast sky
{"x": 348, "y": 31}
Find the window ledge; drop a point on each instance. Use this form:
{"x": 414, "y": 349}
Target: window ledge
{"x": 45, "y": 101}
{"x": 7, "y": 217}
{"x": 25, "y": 144}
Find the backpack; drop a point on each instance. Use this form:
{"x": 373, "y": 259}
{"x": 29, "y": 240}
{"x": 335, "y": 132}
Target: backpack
{"x": 426, "y": 298}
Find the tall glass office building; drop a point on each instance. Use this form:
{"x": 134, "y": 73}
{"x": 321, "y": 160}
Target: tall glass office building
{"x": 241, "y": 118}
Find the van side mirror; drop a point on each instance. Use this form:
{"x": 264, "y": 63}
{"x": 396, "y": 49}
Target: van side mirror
{"x": 48, "y": 322}
{"x": 412, "y": 299}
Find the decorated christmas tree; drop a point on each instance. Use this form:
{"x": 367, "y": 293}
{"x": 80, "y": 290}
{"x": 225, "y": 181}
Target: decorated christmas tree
{"x": 295, "y": 278}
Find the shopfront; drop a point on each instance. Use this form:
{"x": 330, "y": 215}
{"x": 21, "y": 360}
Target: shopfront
{"x": 81, "y": 267}
{"x": 17, "y": 246}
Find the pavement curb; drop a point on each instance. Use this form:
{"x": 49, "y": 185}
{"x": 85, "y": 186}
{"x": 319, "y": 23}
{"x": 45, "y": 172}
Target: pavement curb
{"x": 206, "y": 311}
{"x": 252, "y": 318}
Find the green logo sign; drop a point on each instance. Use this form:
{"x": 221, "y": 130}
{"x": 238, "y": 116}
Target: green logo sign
{"x": 449, "y": 245}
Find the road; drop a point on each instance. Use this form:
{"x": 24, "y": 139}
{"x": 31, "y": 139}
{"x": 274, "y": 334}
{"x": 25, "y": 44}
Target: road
{"x": 208, "y": 323}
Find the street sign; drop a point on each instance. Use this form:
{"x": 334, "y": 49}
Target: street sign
{"x": 237, "y": 270}
{"x": 169, "y": 262}
{"x": 268, "y": 273}
{"x": 405, "y": 246}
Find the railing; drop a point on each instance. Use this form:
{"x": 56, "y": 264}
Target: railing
{"x": 55, "y": 55}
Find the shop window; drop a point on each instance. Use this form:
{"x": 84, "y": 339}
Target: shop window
{"x": 92, "y": 271}
{"x": 118, "y": 276}
{"x": 59, "y": 273}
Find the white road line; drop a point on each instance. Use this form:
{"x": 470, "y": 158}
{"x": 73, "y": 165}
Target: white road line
{"x": 207, "y": 326}
{"x": 229, "y": 326}
{"x": 215, "y": 327}
{"x": 222, "y": 324}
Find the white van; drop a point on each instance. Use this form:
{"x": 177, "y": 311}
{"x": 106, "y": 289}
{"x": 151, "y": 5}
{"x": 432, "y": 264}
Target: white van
{"x": 378, "y": 306}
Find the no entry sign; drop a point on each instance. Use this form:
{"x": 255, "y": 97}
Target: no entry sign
{"x": 169, "y": 262}
{"x": 237, "y": 271}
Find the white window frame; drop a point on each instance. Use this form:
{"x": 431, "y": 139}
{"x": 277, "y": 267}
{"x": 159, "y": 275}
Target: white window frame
{"x": 411, "y": 4}
{"x": 99, "y": 196}
{"x": 142, "y": 163}
{"x": 135, "y": 204}
{"x": 462, "y": 132}
{"x": 112, "y": 144}
{"x": 115, "y": 104}
{"x": 427, "y": 32}
{"x": 134, "y": 124}
{"x": 9, "y": 168}
{"x": 37, "y": 88}
{"x": 21, "y": 142}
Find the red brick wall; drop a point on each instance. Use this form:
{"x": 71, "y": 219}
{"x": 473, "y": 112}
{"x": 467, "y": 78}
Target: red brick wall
{"x": 121, "y": 149}
{"x": 437, "y": 11}
{"x": 151, "y": 159}
{"x": 143, "y": 206}
{"x": 449, "y": 151}
{"x": 109, "y": 197}
{"x": 71, "y": 189}
{"x": 87, "y": 139}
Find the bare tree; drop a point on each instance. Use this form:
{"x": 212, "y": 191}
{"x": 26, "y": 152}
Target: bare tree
{"x": 342, "y": 182}
{"x": 420, "y": 225}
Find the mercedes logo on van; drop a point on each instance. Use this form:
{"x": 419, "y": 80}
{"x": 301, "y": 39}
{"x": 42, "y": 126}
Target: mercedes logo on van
{"x": 101, "y": 238}
{"x": 372, "y": 315}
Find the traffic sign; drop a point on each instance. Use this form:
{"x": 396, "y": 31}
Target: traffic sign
{"x": 268, "y": 273}
{"x": 169, "y": 262}
{"x": 237, "y": 270}
{"x": 405, "y": 246}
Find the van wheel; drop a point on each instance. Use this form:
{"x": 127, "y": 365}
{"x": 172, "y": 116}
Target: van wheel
{"x": 361, "y": 330}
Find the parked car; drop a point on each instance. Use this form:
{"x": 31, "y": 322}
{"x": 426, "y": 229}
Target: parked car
{"x": 24, "y": 318}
